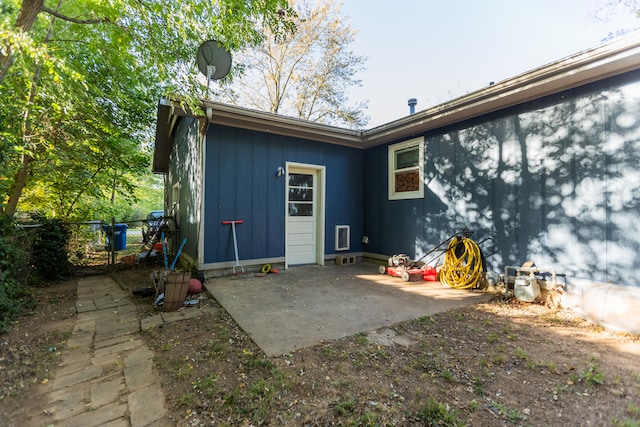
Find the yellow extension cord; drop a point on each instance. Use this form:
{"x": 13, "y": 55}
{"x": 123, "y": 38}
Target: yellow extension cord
{"x": 464, "y": 271}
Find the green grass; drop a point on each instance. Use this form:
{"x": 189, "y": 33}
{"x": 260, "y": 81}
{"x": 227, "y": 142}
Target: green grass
{"x": 447, "y": 375}
{"x": 208, "y": 386}
{"x": 362, "y": 339}
{"x": 425, "y": 320}
{"x": 215, "y": 350}
{"x": 492, "y": 337}
{"x": 340, "y": 383}
{"x": 560, "y": 388}
{"x": 551, "y": 367}
{"x": 478, "y": 386}
{"x": 261, "y": 395}
{"x": 328, "y": 352}
{"x": 259, "y": 363}
{"x": 625, "y": 423}
{"x": 498, "y": 359}
{"x": 522, "y": 354}
{"x": 186, "y": 400}
{"x": 183, "y": 372}
{"x": 368, "y": 419}
{"x": 511, "y": 414}
{"x": 434, "y": 413}
{"x": 345, "y": 406}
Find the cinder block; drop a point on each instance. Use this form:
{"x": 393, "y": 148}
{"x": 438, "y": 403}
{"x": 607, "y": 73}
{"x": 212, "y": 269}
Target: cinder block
{"x": 345, "y": 259}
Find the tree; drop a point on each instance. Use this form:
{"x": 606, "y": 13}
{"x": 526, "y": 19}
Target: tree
{"x": 304, "y": 74}
{"x": 610, "y": 8}
{"x": 80, "y": 81}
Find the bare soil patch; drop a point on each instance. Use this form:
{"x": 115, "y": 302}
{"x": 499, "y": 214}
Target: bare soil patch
{"x": 30, "y": 352}
{"x": 498, "y": 363}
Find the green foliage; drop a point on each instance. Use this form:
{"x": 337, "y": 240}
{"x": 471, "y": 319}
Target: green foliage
{"x": 79, "y": 87}
{"x": 593, "y": 376}
{"x": 49, "y": 256}
{"x": 14, "y": 297}
{"x": 13, "y": 300}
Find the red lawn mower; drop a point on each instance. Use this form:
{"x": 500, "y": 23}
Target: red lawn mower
{"x": 409, "y": 270}
{"x": 463, "y": 264}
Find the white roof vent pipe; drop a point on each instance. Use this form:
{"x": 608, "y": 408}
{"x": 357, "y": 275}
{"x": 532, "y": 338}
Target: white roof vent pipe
{"x": 412, "y": 105}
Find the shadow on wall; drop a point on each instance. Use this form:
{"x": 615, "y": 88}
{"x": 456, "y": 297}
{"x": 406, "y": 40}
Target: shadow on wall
{"x": 559, "y": 185}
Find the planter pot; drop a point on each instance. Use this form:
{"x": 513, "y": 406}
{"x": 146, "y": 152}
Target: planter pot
{"x": 176, "y": 286}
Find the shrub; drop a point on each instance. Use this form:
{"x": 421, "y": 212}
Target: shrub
{"x": 49, "y": 253}
{"x": 14, "y": 297}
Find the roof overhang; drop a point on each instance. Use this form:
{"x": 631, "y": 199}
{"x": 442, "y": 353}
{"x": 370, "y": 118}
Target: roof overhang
{"x": 228, "y": 115}
{"x": 604, "y": 61}
{"x": 167, "y": 118}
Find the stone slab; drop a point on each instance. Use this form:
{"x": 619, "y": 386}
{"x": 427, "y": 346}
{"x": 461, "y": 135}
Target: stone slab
{"x": 146, "y": 406}
{"x": 96, "y": 417}
{"x": 118, "y": 348}
{"x": 76, "y": 378}
{"x": 151, "y": 322}
{"x": 85, "y": 306}
{"x": 105, "y": 392}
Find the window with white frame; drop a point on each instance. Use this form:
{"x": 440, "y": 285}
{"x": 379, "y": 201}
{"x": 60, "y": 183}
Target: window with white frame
{"x": 175, "y": 199}
{"x": 406, "y": 169}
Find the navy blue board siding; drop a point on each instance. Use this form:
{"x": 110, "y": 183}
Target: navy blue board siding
{"x": 556, "y": 180}
{"x": 242, "y": 184}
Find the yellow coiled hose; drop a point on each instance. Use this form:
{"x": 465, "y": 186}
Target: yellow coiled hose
{"x": 461, "y": 269}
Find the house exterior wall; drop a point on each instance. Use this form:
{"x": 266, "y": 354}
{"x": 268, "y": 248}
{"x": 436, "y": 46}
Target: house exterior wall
{"x": 183, "y": 173}
{"x": 242, "y": 184}
{"x": 556, "y": 181}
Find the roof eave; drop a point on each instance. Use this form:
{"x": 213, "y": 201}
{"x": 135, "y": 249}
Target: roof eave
{"x": 233, "y": 116}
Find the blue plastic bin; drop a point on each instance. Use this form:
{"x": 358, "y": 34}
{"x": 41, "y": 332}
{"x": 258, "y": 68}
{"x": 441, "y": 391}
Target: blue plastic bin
{"x": 119, "y": 236}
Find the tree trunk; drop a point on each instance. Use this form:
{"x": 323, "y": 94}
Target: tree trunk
{"x": 29, "y": 11}
{"x": 19, "y": 182}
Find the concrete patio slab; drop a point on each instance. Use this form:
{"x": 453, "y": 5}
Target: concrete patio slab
{"x": 303, "y": 306}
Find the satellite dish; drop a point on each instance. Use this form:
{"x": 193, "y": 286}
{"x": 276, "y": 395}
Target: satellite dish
{"x": 213, "y": 60}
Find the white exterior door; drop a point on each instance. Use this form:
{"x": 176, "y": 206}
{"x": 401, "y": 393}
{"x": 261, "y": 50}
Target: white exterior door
{"x": 304, "y": 211}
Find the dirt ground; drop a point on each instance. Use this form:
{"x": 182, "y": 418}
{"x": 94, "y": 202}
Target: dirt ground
{"x": 498, "y": 363}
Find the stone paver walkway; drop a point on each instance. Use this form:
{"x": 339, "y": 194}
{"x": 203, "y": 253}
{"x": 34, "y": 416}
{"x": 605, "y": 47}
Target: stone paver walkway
{"x": 106, "y": 376}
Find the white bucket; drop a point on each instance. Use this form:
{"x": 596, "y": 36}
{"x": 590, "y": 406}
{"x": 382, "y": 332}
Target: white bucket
{"x": 526, "y": 288}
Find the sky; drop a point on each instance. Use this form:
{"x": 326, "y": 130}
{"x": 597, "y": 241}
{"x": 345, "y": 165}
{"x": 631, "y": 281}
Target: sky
{"x": 438, "y": 50}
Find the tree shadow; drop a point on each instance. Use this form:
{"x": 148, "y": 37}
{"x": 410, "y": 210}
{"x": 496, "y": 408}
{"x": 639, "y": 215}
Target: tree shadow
{"x": 556, "y": 181}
